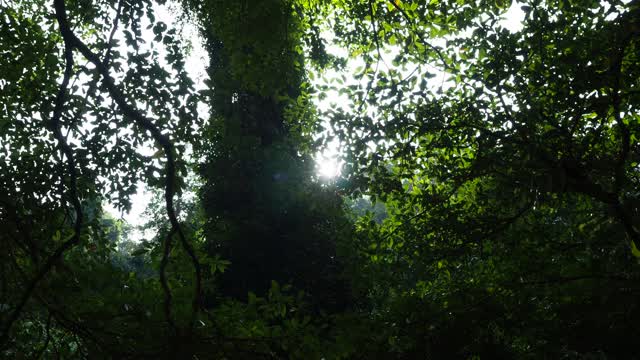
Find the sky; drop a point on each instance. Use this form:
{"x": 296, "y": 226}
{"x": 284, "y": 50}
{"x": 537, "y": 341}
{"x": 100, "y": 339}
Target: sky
{"x": 328, "y": 164}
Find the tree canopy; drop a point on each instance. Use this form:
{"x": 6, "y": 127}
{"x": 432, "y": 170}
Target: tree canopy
{"x": 488, "y": 205}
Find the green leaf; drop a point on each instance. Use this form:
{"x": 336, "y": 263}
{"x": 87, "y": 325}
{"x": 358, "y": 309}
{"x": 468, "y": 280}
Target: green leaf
{"x": 634, "y": 249}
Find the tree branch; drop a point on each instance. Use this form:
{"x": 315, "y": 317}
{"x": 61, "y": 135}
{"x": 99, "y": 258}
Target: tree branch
{"x": 170, "y": 168}
{"x": 567, "y": 279}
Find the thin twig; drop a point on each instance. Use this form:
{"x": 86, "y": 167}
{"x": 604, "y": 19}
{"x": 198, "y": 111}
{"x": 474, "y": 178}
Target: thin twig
{"x": 47, "y": 337}
{"x": 107, "y": 58}
{"x": 116, "y": 21}
{"x": 566, "y": 279}
{"x": 419, "y": 35}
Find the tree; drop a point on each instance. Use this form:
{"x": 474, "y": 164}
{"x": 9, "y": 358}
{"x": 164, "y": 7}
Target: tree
{"x": 508, "y": 183}
{"x": 264, "y": 211}
{"x": 70, "y": 174}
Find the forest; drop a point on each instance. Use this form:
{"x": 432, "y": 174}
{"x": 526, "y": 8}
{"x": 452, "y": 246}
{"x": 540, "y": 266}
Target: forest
{"x": 484, "y": 201}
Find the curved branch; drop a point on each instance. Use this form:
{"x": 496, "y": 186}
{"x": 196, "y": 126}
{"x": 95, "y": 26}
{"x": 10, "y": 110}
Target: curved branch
{"x": 167, "y": 147}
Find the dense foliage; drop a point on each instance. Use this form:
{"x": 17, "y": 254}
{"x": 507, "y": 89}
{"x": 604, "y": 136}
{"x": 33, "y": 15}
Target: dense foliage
{"x": 488, "y": 205}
